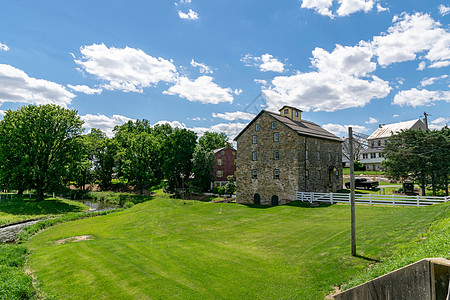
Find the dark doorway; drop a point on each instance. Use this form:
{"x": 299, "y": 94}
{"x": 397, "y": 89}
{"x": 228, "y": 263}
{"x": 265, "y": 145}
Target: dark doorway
{"x": 274, "y": 200}
{"x": 257, "y": 199}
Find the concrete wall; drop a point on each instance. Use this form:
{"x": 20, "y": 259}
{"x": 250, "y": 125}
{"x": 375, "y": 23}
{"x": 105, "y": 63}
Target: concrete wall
{"x": 427, "y": 279}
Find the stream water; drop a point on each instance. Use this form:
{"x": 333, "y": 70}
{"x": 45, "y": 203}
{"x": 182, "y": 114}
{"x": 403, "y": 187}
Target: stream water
{"x": 9, "y": 233}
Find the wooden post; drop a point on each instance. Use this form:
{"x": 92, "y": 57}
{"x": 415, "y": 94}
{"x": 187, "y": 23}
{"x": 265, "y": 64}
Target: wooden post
{"x": 418, "y": 201}
{"x": 331, "y": 197}
{"x": 370, "y": 199}
{"x": 352, "y": 193}
{"x": 393, "y": 200}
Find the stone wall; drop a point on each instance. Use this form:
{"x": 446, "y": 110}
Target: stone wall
{"x": 292, "y": 163}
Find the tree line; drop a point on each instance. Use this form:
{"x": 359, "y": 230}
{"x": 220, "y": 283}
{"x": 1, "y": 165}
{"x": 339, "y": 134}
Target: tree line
{"x": 422, "y": 156}
{"x": 43, "y": 147}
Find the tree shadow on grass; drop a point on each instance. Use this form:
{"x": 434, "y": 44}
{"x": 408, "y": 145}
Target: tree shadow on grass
{"x": 296, "y": 203}
{"x": 25, "y": 206}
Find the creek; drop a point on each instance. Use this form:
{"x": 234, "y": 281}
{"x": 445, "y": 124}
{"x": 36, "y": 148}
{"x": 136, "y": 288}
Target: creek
{"x": 9, "y": 232}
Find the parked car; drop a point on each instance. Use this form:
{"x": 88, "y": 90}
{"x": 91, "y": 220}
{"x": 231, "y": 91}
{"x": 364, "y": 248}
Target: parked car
{"x": 363, "y": 183}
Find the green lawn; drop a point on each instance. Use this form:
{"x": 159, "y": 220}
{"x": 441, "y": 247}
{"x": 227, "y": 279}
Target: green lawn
{"x": 346, "y": 171}
{"x": 165, "y": 249}
{"x": 23, "y": 208}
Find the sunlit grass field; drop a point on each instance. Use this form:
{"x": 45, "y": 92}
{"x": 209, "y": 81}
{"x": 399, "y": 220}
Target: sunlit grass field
{"x": 22, "y": 208}
{"x": 166, "y": 249}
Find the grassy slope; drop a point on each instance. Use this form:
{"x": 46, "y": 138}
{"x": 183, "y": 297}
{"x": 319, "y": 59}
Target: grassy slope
{"x": 167, "y": 249}
{"x": 19, "y": 209}
{"x": 436, "y": 243}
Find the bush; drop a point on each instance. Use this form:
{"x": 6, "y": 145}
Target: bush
{"x": 219, "y": 190}
{"x": 358, "y": 166}
{"x": 128, "y": 204}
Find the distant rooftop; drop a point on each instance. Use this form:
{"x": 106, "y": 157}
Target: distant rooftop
{"x": 388, "y": 130}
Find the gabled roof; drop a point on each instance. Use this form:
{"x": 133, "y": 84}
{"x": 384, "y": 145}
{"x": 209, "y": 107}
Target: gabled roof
{"x": 223, "y": 148}
{"x": 302, "y": 127}
{"x": 390, "y": 129}
{"x": 291, "y": 107}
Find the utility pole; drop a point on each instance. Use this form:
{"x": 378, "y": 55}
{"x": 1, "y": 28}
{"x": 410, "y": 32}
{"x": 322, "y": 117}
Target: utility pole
{"x": 352, "y": 192}
{"x": 426, "y": 120}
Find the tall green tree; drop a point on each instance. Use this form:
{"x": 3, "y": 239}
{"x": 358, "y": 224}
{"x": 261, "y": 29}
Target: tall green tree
{"x": 82, "y": 169}
{"x": 177, "y": 150}
{"x": 211, "y": 141}
{"x": 37, "y": 144}
{"x": 137, "y": 159}
{"x": 202, "y": 168}
{"x": 105, "y": 163}
{"x": 421, "y": 156}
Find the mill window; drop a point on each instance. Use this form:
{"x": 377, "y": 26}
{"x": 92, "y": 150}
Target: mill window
{"x": 276, "y": 174}
{"x": 276, "y": 137}
{"x": 254, "y": 155}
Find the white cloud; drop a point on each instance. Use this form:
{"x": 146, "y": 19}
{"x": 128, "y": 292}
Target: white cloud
{"x": 174, "y": 124}
{"x": 265, "y": 62}
{"x": 432, "y": 80}
{"x": 204, "y": 69}
{"x": 320, "y": 6}
{"x": 85, "y": 89}
{"x": 104, "y": 123}
{"x": 410, "y": 35}
{"x": 381, "y": 8}
{"x": 202, "y": 89}
{"x": 346, "y": 7}
{"x": 439, "y": 123}
{"x": 347, "y": 60}
{"x": 338, "y": 129}
{"x": 126, "y": 69}
{"x": 349, "y": 7}
{"x": 260, "y": 81}
{"x": 185, "y": 1}
{"x": 444, "y": 10}
{"x": 237, "y": 92}
{"x": 2, "y": 113}
{"x": 415, "y": 97}
{"x": 395, "y": 116}
{"x": 231, "y": 116}
{"x": 324, "y": 91}
{"x": 191, "y": 15}
{"x": 371, "y": 121}
{"x": 3, "y": 47}
{"x": 422, "y": 66}
{"x": 230, "y": 129}
{"x": 16, "y": 86}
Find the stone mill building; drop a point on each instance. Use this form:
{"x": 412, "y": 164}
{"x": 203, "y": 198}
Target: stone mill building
{"x": 279, "y": 154}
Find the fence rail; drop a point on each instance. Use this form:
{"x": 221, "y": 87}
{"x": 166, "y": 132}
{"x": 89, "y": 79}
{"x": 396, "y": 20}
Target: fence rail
{"x": 371, "y": 199}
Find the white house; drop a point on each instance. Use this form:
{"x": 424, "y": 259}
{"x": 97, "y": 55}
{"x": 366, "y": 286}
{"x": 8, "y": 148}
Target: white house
{"x": 372, "y": 157}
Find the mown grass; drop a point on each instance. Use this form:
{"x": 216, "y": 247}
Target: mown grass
{"x": 435, "y": 243}
{"x": 346, "y": 171}
{"x": 23, "y": 208}
{"x": 167, "y": 249}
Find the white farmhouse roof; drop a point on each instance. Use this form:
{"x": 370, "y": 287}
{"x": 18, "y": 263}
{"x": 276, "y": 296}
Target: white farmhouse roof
{"x": 388, "y": 130}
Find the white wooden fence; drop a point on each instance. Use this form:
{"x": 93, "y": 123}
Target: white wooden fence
{"x": 371, "y": 199}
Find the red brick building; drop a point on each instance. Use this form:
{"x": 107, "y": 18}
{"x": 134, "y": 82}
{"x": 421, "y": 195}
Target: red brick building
{"x": 224, "y": 165}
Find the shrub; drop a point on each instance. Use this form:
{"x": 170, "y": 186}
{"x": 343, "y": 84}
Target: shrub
{"x": 128, "y": 204}
{"x": 358, "y": 166}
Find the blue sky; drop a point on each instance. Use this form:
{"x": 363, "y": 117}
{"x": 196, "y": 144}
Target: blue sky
{"x": 200, "y": 64}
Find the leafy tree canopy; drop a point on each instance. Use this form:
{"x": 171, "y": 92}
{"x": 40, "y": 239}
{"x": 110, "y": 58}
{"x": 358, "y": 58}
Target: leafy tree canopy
{"x": 211, "y": 141}
{"x": 37, "y": 143}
